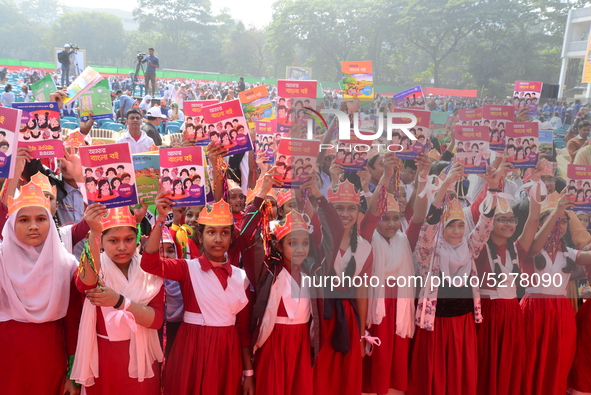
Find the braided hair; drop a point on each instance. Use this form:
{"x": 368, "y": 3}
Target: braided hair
{"x": 512, "y": 254}
{"x": 352, "y": 264}
{"x": 539, "y": 259}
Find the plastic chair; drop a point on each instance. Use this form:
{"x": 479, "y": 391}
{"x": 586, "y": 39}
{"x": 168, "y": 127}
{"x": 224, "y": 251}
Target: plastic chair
{"x": 172, "y": 128}
{"x": 69, "y": 125}
{"x": 71, "y": 119}
{"x": 105, "y": 121}
{"x": 114, "y": 126}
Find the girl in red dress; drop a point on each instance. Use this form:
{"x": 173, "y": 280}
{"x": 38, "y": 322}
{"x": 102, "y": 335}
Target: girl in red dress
{"x": 339, "y": 363}
{"x": 551, "y": 332}
{"x": 579, "y": 379}
{"x": 36, "y": 274}
{"x": 211, "y": 354}
{"x": 118, "y": 346}
{"x": 287, "y": 309}
{"x": 501, "y": 335}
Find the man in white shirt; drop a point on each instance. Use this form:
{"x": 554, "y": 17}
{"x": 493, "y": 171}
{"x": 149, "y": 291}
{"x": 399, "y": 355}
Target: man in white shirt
{"x": 556, "y": 121}
{"x": 137, "y": 139}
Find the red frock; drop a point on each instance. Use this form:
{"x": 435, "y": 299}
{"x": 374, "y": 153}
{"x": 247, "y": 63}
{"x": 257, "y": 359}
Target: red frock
{"x": 113, "y": 358}
{"x": 204, "y": 360}
{"x": 580, "y": 374}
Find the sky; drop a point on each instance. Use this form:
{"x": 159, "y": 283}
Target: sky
{"x": 256, "y": 13}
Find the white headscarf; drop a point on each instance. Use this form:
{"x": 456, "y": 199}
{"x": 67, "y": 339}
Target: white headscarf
{"x": 34, "y": 281}
{"x": 146, "y": 103}
{"x": 454, "y": 260}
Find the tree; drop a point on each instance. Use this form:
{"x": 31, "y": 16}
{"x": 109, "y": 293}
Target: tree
{"x": 21, "y": 38}
{"x": 243, "y": 51}
{"x": 42, "y": 11}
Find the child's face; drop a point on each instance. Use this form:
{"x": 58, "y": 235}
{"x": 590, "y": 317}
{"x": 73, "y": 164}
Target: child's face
{"x": 126, "y": 180}
{"x": 91, "y": 186}
{"x": 4, "y": 148}
{"x": 166, "y": 185}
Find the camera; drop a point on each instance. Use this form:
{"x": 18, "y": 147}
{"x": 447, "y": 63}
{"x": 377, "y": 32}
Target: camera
{"x": 74, "y": 47}
{"x": 140, "y": 56}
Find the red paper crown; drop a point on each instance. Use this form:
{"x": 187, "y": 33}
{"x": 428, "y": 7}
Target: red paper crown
{"x": 232, "y": 185}
{"x": 284, "y": 196}
{"x": 252, "y": 193}
{"x": 119, "y": 216}
{"x": 454, "y": 211}
{"x": 293, "y": 221}
{"x": 392, "y": 204}
{"x": 41, "y": 180}
{"x": 217, "y": 214}
{"x": 551, "y": 201}
{"x": 344, "y": 193}
{"x": 31, "y": 195}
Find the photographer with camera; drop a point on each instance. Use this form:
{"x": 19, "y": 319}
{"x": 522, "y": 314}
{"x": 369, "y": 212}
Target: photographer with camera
{"x": 64, "y": 58}
{"x": 150, "y": 73}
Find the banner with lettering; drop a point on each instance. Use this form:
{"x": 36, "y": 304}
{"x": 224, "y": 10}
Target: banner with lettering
{"x": 267, "y": 141}
{"x": 522, "y": 144}
{"x": 191, "y": 108}
{"x": 472, "y": 148}
{"x": 40, "y": 129}
{"x": 587, "y": 63}
{"x": 578, "y": 183}
{"x": 296, "y": 161}
{"x": 527, "y": 94}
{"x": 410, "y": 149}
{"x": 182, "y": 173}
{"x": 470, "y": 117}
{"x": 357, "y": 82}
{"x": 109, "y": 175}
{"x": 147, "y": 174}
{"x": 293, "y": 98}
{"x": 256, "y": 105}
{"x": 412, "y": 97}
{"x": 226, "y": 125}
{"x": 10, "y": 123}
{"x": 497, "y": 118}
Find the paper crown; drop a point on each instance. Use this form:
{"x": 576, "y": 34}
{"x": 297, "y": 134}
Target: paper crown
{"x": 453, "y": 211}
{"x": 344, "y": 193}
{"x": 433, "y": 154}
{"x": 548, "y": 169}
{"x": 31, "y": 195}
{"x": 166, "y": 236}
{"x": 392, "y": 204}
{"x": 293, "y": 221}
{"x": 75, "y": 139}
{"x": 283, "y": 196}
{"x": 119, "y": 216}
{"x": 451, "y": 187}
{"x": 41, "y": 180}
{"x": 217, "y": 214}
{"x": 503, "y": 206}
{"x": 551, "y": 201}
{"x": 232, "y": 185}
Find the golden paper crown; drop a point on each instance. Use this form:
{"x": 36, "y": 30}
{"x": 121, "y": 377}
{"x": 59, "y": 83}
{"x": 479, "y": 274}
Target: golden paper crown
{"x": 284, "y": 196}
{"x": 217, "y": 214}
{"x": 252, "y": 193}
{"x": 434, "y": 154}
{"x": 293, "y": 221}
{"x": 31, "y": 195}
{"x": 344, "y": 193}
{"x": 551, "y": 202}
{"x": 119, "y": 216}
{"x": 454, "y": 211}
{"x": 503, "y": 206}
{"x": 232, "y": 185}
{"x": 392, "y": 204}
{"x": 41, "y": 180}
{"x": 75, "y": 139}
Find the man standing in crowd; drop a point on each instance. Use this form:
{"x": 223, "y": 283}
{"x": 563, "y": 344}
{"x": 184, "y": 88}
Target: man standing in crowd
{"x": 125, "y": 103}
{"x": 137, "y": 139}
{"x": 64, "y": 58}
{"x": 151, "y": 127}
{"x": 150, "y": 74}
{"x": 241, "y": 85}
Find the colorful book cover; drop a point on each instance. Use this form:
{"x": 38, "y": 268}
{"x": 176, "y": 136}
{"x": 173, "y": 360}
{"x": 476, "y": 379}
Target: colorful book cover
{"x": 522, "y": 144}
{"x": 357, "y": 82}
{"x": 256, "y": 105}
{"x": 349, "y": 158}
{"x": 497, "y": 119}
{"x": 578, "y": 183}
{"x": 527, "y": 94}
{"x": 470, "y": 117}
{"x": 267, "y": 141}
{"x": 410, "y": 149}
{"x": 192, "y": 108}
{"x": 546, "y": 140}
{"x": 182, "y": 173}
{"x": 10, "y": 123}
{"x": 472, "y": 148}
{"x": 86, "y": 80}
{"x": 96, "y": 100}
{"x": 147, "y": 174}
{"x": 40, "y": 129}
{"x": 43, "y": 88}
{"x": 109, "y": 175}
{"x": 296, "y": 160}
{"x": 293, "y": 98}
{"x": 226, "y": 125}
{"x": 412, "y": 97}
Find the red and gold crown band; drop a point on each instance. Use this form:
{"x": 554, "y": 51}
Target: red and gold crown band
{"x": 217, "y": 214}
{"x": 42, "y": 181}
{"x": 120, "y": 216}
{"x": 344, "y": 193}
{"x": 293, "y": 221}
{"x": 31, "y": 195}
